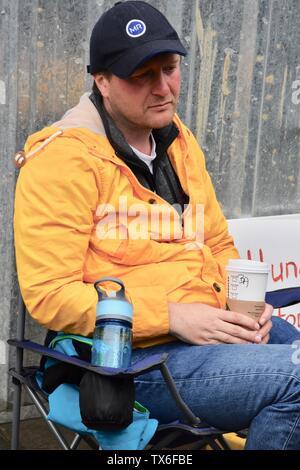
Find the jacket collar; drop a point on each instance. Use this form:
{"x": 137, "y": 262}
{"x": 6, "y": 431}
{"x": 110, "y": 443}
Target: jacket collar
{"x": 83, "y": 115}
{"x": 90, "y": 113}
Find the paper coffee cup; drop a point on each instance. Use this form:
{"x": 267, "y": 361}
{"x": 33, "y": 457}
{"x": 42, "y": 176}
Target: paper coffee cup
{"x": 246, "y": 284}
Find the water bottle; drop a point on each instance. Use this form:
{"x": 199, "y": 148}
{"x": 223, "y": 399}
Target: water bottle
{"x": 112, "y": 340}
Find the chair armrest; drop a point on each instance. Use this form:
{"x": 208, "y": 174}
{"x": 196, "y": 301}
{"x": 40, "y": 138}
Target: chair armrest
{"x": 146, "y": 365}
{"x": 283, "y": 297}
{"x": 156, "y": 361}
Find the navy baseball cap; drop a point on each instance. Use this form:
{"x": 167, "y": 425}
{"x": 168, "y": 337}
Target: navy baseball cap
{"x": 129, "y": 34}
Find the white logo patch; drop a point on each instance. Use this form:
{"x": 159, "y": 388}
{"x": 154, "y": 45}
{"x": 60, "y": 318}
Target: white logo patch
{"x": 135, "y": 28}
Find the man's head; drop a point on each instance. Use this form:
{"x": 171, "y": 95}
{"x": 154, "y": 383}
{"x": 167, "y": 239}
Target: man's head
{"x": 147, "y": 99}
{"x": 128, "y": 35}
{"x": 135, "y": 60}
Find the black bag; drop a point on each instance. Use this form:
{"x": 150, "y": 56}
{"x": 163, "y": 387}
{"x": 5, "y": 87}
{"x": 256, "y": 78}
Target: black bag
{"x": 106, "y": 403}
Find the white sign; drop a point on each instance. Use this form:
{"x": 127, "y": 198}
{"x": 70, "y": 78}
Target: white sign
{"x": 274, "y": 240}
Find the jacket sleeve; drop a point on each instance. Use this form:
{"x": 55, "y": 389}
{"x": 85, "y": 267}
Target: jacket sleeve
{"x": 149, "y": 299}
{"x": 56, "y": 197}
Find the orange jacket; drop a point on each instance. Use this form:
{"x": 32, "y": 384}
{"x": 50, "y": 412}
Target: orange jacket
{"x": 80, "y": 214}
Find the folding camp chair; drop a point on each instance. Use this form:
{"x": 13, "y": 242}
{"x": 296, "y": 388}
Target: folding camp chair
{"x": 25, "y": 377}
{"x": 191, "y": 429}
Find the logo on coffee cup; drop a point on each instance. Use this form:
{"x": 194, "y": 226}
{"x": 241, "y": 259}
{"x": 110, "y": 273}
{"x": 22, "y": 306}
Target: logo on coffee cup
{"x": 244, "y": 280}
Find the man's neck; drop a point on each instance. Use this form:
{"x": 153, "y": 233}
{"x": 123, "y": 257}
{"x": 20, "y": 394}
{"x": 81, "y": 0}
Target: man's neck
{"x": 144, "y": 144}
{"x": 138, "y": 138}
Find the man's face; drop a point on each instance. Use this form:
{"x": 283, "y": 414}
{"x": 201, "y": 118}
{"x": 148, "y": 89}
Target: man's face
{"x": 148, "y": 98}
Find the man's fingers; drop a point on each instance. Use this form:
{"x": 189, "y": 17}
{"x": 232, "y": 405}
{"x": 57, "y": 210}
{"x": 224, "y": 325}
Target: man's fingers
{"x": 265, "y": 339}
{"x": 239, "y": 319}
{"x": 266, "y": 315}
{"x": 264, "y": 331}
{"x": 227, "y": 331}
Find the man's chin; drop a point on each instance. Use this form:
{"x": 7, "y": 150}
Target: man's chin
{"x": 163, "y": 120}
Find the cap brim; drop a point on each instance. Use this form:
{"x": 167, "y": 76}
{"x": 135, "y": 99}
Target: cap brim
{"x": 128, "y": 63}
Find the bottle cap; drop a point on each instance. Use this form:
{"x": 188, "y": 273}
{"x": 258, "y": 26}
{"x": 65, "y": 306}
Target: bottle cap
{"x": 112, "y": 305}
{"x": 115, "y": 309}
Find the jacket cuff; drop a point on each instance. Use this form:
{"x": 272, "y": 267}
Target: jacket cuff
{"x": 150, "y": 311}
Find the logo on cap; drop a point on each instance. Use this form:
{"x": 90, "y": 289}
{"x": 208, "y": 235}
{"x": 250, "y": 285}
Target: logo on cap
{"x": 135, "y": 28}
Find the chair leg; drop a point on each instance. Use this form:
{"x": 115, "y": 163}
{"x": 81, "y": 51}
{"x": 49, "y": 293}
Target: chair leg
{"x": 223, "y": 443}
{"x": 76, "y": 441}
{"x": 16, "y": 414}
{"x": 166, "y": 440}
{"x": 44, "y": 414}
{"x": 218, "y": 443}
{"x": 213, "y": 443}
{"x": 17, "y": 385}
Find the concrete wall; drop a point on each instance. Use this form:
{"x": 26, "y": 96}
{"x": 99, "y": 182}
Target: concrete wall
{"x": 237, "y": 96}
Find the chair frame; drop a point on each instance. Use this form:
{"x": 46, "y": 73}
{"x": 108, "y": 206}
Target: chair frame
{"x": 191, "y": 426}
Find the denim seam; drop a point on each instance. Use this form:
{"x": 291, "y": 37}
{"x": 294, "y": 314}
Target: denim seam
{"x": 221, "y": 377}
{"x": 291, "y": 433}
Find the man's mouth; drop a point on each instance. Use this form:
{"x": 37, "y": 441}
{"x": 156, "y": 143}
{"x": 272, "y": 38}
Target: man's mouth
{"x": 160, "y": 105}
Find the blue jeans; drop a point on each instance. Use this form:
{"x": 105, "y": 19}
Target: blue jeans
{"x": 233, "y": 387}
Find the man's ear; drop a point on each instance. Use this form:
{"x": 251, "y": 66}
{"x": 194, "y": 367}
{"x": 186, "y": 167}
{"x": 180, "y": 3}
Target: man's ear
{"x": 102, "y": 83}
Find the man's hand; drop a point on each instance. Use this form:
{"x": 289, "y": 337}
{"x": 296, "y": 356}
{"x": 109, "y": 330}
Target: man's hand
{"x": 265, "y": 322}
{"x": 197, "y": 323}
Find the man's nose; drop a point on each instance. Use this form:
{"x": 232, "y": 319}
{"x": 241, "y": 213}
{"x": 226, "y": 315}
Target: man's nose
{"x": 160, "y": 84}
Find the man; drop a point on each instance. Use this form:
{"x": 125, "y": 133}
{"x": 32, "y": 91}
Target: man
{"x": 115, "y": 188}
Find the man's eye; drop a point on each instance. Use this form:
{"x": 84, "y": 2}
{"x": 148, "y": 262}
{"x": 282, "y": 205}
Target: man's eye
{"x": 170, "y": 68}
{"x": 142, "y": 76}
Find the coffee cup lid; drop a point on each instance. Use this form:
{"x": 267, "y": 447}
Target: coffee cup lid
{"x": 251, "y": 266}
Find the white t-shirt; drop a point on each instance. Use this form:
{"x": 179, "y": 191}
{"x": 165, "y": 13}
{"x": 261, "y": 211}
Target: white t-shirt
{"x": 148, "y": 159}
